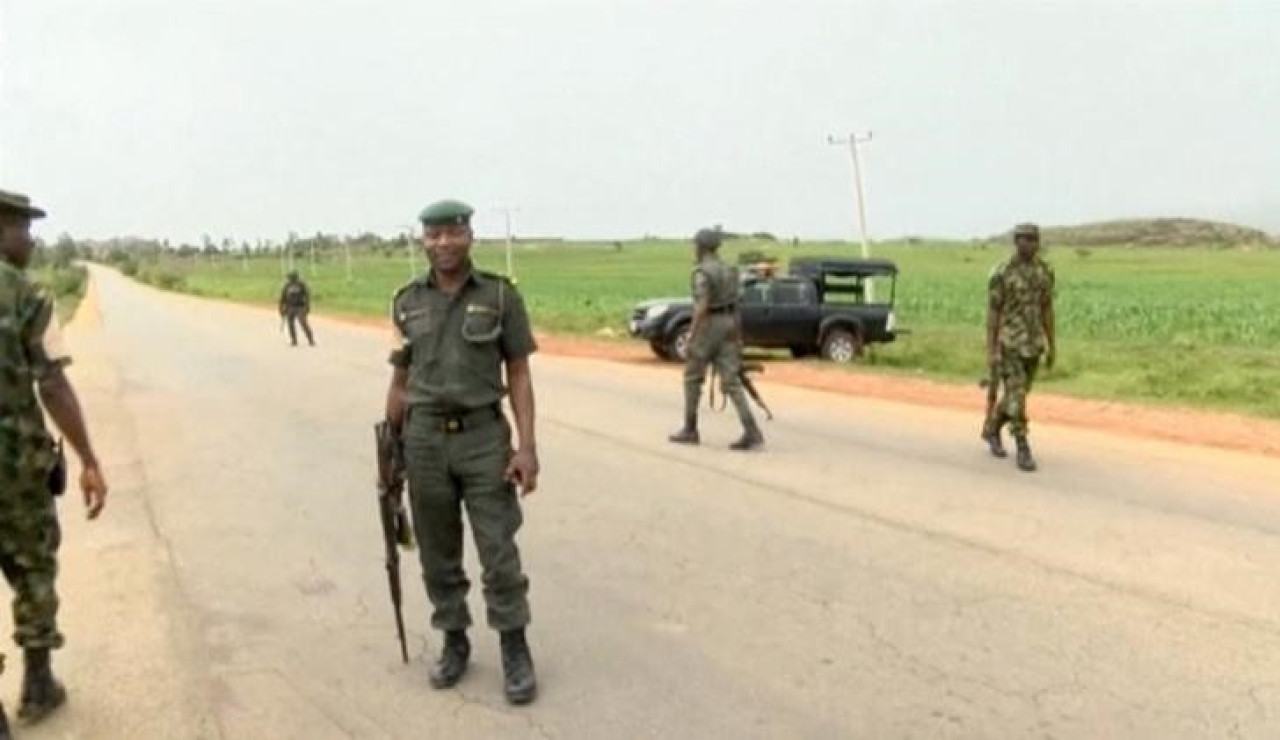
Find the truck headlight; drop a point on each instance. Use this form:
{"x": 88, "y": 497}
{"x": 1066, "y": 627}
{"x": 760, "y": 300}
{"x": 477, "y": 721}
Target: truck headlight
{"x": 890, "y": 322}
{"x": 653, "y": 312}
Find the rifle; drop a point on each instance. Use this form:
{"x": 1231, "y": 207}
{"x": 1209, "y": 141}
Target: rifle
{"x": 992, "y": 383}
{"x": 396, "y": 531}
{"x": 744, "y": 377}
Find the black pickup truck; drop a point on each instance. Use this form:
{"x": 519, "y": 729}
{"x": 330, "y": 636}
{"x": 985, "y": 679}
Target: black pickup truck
{"x": 819, "y": 307}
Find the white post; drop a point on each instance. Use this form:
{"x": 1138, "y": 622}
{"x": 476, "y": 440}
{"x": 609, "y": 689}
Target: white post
{"x": 853, "y": 140}
{"x": 509, "y": 269}
{"x": 347, "y": 245}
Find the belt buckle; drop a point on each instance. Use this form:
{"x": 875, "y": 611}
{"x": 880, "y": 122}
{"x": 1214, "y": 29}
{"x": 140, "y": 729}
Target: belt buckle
{"x": 453, "y": 425}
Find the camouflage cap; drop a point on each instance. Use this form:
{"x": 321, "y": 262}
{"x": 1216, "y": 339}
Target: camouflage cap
{"x": 1026, "y": 230}
{"x": 446, "y": 213}
{"x": 16, "y": 202}
{"x": 707, "y": 238}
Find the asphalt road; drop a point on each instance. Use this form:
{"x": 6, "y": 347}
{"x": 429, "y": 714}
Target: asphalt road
{"x": 872, "y": 573}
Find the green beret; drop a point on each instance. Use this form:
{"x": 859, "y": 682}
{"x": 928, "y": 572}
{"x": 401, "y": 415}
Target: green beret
{"x": 16, "y": 202}
{"x": 1026, "y": 230}
{"x": 446, "y": 213}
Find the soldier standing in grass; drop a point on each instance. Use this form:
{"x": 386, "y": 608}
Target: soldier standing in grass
{"x": 1020, "y": 329}
{"x": 32, "y": 358}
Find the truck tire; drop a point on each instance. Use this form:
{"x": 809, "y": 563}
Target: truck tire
{"x": 841, "y": 344}
{"x": 678, "y": 343}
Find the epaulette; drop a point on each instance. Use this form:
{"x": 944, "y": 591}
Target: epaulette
{"x": 495, "y": 276}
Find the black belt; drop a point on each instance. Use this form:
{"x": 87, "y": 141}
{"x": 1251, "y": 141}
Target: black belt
{"x": 724, "y": 309}
{"x": 453, "y": 422}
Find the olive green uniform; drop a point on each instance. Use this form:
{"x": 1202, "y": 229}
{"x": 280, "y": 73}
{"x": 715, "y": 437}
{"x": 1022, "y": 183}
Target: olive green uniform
{"x": 716, "y": 344}
{"x": 295, "y": 304}
{"x": 457, "y": 441}
{"x": 1019, "y": 289}
{"x": 30, "y": 348}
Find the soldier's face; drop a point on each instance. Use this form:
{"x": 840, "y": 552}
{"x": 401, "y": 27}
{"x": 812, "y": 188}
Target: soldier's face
{"x": 15, "y": 240}
{"x": 447, "y": 247}
{"x": 1028, "y": 245}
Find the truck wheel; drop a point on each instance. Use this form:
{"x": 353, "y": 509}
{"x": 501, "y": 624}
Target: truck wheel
{"x": 841, "y": 345}
{"x": 659, "y": 348}
{"x": 678, "y": 345}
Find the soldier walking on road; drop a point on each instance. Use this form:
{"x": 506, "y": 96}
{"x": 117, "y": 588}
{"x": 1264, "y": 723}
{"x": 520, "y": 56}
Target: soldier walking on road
{"x": 295, "y": 304}
{"x": 1020, "y": 329}
{"x": 715, "y": 338}
{"x": 456, "y": 329}
{"x": 32, "y": 359}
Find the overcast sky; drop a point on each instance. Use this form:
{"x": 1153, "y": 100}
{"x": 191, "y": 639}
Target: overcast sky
{"x": 600, "y": 118}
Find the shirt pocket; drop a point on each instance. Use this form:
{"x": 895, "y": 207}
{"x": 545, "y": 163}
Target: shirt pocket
{"x": 416, "y": 323}
{"x": 482, "y": 324}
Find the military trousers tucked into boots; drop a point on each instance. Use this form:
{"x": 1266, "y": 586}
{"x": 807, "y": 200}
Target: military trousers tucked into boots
{"x": 716, "y": 347}
{"x": 455, "y": 462}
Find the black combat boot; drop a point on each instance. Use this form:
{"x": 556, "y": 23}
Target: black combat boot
{"x": 751, "y": 438}
{"x": 994, "y": 441}
{"x": 41, "y": 692}
{"x": 517, "y": 667}
{"x": 1025, "y": 461}
{"x": 688, "y": 434}
{"x": 4, "y": 725}
{"x": 452, "y": 663}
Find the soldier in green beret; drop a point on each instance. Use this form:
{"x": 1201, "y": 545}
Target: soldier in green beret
{"x": 32, "y": 358}
{"x": 715, "y": 339}
{"x": 1020, "y": 329}
{"x": 456, "y": 329}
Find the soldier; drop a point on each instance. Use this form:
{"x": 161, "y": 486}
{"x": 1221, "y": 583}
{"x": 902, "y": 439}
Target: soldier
{"x": 1020, "y": 328}
{"x": 32, "y": 359}
{"x": 456, "y": 328}
{"x": 715, "y": 338}
{"x": 295, "y": 304}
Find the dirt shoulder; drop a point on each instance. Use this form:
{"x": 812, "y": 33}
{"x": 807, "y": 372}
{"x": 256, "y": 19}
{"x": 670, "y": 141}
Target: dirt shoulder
{"x": 1187, "y": 426}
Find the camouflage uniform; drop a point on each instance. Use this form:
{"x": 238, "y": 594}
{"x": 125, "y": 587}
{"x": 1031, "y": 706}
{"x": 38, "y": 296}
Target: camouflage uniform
{"x": 30, "y": 347}
{"x": 457, "y": 441}
{"x": 1019, "y": 290}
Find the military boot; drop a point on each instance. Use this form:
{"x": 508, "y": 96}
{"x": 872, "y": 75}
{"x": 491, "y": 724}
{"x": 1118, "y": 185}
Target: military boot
{"x": 751, "y": 438}
{"x": 1025, "y": 460}
{"x": 688, "y": 434}
{"x": 517, "y": 668}
{"x": 991, "y": 435}
{"x": 452, "y": 663}
{"x": 4, "y": 725}
{"x": 41, "y": 692}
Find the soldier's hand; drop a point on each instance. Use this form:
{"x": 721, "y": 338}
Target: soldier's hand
{"x": 94, "y": 488}
{"x": 522, "y": 469}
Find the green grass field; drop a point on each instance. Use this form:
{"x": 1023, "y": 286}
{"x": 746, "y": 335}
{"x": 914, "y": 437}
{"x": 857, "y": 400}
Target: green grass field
{"x": 1185, "y": 326}
{"x": 67, "y": 284}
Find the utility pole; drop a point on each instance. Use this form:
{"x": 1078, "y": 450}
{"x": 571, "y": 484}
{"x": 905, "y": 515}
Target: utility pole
{"x": 408, "y": 232}
{"x": 852, "y": 140}
{"x": 506, "y": 212}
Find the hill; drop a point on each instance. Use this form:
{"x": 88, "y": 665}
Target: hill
{"x": 1156, "y": 232}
